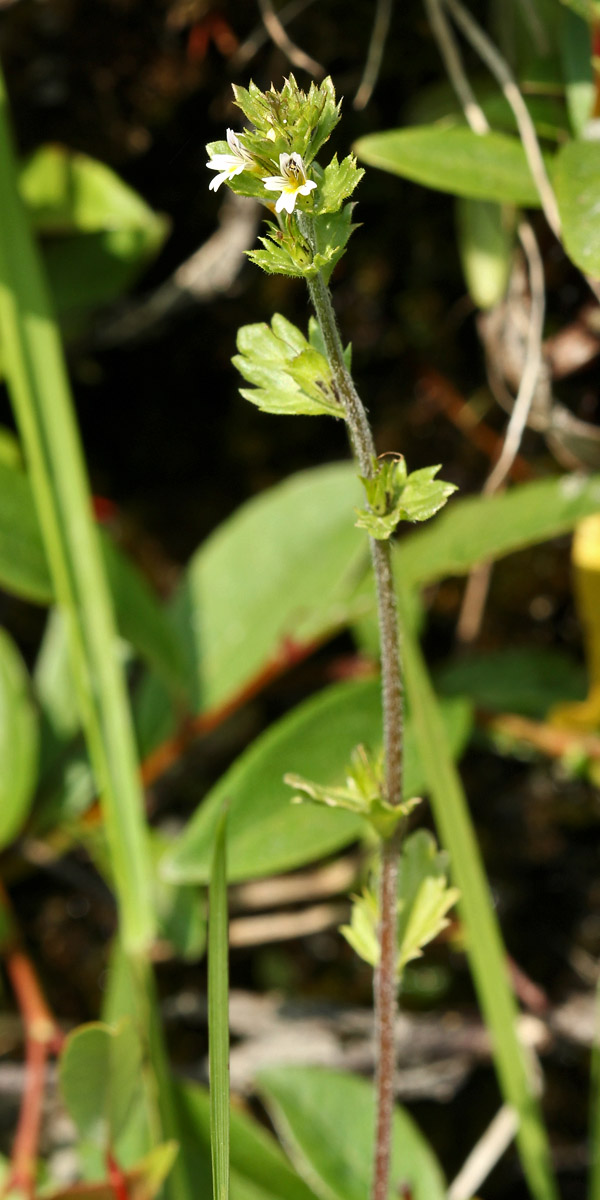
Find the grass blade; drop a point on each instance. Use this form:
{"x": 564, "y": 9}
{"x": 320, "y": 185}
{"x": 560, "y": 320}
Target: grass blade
{"x": 41, "y": 396}
{"x": 485, "y": 948}
{"x": 218, "y": 1015}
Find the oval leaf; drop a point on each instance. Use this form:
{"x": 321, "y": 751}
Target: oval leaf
{"x": 326, "y": 1120}
{"x": 477, "y": 528}
{"x": 281, "y": 573}
{"x": 23, "y": 566}
{"x": 490, "y": 166}
{"x": 100, "y": 1075}
{"x": 18, "y": 741}
{"x": 577, "y": 183}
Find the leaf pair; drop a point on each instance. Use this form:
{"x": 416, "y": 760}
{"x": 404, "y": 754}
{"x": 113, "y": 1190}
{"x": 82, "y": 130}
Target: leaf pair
{"x": 289, "y": 374}
{"x": 424, "y": 899}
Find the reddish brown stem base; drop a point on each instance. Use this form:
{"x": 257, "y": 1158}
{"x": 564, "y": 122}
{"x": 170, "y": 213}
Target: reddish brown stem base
{"x": 42, "y": 1038}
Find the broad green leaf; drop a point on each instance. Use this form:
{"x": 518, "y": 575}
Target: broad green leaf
{"x": 88, "y": 270}
{"x": 99, "y": 233}
{"x": 488, "y": 166}
{"x": 527, "y": 680}
{"x": 587, "y": 9}
{"x": 53, "y": 683}
{"x": 256, "y": 1160}
{"x": 486, "y": 236}
{"x": 23, "y": 567}
{"x": 326, "y": 1120}
{"x": 281, "y": 573}
{"x": 66, "y": 191}
{"x": 266, "y": 833}
{"x": 576, "y": 54}
{"x": 478, "y": 528}
{"x": 100, "y": 1079}
{"x": 10, "y": 449}
{"x": 18, "y": 741}
{"x": 577, "y": 184}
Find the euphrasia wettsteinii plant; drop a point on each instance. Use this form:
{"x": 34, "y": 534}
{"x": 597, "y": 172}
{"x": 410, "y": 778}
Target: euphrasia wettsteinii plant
{"x": 274, "y": 160}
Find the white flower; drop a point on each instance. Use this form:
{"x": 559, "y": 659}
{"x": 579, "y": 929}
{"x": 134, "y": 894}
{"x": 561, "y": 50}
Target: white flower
{"x": 291, "y": 183}
{"x": 229, "y": 164}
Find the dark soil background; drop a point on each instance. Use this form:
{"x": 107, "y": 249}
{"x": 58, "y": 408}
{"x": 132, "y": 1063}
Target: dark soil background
{"x": 143, "y": 85}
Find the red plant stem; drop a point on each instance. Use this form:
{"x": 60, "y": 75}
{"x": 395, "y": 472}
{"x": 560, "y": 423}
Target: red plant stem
{"x": 116, "y": 1178}
{"x": 42, "y": 1037}
{"x": 385, "y": 982}
{"x": 385, "y": 987}
{"x": 595, "y": 31}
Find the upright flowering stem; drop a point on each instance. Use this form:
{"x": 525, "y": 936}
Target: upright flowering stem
{"x": 385, "y": 985}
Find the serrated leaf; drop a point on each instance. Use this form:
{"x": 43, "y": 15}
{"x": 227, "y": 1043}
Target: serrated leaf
{"x": 424, "y": 898}
{"x": 332, "y": 232}
{"x": 394, "y": 496}
{"x": 361, "y": 933}
{"x": 336, "y": 183}
{"x": 289, "y": 375}
{"x": 577, "y": 185}
{"x": 326, "y": 1119}
{"x": 490, "y": 166}
{"x": 275, "y": 260}
{"x": 423, "y": 895}
{"x": 266, "y": 833}
{"x": 18, "y": 741}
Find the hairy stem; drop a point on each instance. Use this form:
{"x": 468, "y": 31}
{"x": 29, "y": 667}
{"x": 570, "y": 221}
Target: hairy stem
{"x": 385, "y": 984}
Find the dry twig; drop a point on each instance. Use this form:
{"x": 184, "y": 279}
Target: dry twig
{"x": 278, "y": 35}
{"x": 381, "y": 25}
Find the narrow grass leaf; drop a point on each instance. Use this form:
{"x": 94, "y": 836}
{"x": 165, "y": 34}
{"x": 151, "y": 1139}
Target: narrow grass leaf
{"x": 485, "y": 948}
{"x": 40, "y": 392}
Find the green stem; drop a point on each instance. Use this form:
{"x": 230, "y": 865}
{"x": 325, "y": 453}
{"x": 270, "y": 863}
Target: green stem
{"x": 40, "y": 392}
{"x": 385, "y": 983}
